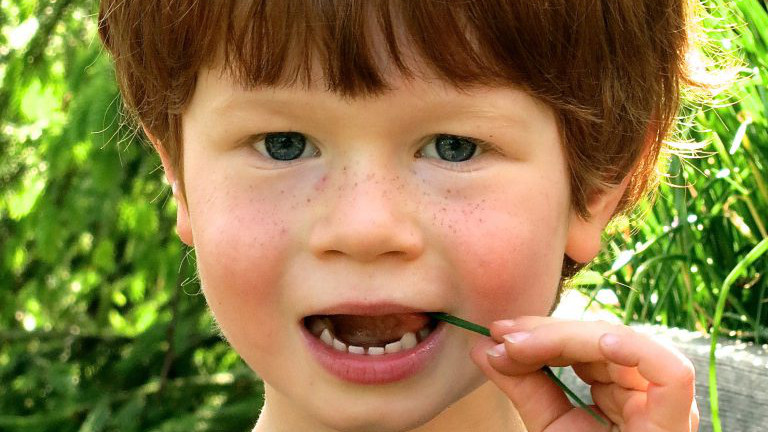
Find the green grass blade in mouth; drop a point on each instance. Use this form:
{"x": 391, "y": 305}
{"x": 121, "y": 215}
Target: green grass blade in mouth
{"x": 460, "y": 323}
{"x": 467, "y": 325}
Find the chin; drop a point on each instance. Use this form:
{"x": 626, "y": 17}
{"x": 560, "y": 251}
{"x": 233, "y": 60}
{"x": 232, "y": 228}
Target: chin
{"x": 405, "y": 416}
{"x": 385, "y": 411}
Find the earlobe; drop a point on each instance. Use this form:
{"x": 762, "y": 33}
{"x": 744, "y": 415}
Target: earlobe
{"x": 584, "y": 235}
{"x": 183, "y": 226}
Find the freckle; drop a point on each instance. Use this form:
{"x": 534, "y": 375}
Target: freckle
{"x": 320, "y": 184}
{"x": 309, "y": 200}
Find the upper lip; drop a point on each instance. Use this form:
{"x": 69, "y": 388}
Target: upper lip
{"x": 369, "y": 309}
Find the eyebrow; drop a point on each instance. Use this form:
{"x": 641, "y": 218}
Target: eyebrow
{"x": 461, "y": 114}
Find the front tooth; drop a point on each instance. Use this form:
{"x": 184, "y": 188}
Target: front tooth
{"x": 327, "y": 337}
{"x": 423, "y": 333}
{"x": 339, "y": 345}
{"x": 356, "y": 349}
{"x": 375, "y": 350}
{"x": 393, "y": 347}
{"x": 408, "y": 341}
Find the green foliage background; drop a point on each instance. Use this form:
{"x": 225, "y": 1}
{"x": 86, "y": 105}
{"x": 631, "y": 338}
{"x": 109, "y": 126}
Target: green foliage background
{"x": 101, "y": 323}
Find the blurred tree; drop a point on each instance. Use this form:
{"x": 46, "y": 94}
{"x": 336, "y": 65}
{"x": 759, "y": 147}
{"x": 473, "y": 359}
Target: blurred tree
{"x": 101, "y": 324}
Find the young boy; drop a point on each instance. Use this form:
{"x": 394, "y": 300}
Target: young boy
{"x": 343, "y": 167}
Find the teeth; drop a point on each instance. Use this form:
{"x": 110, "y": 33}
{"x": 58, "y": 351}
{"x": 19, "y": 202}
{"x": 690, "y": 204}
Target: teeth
{"x": 321, "y": 329}
{"x": 356, "y": 349}
{"x": 393, "y": 347}
{"x": 408, "y": 341}
{"x": 327, "y": 337}
{"x": 339, "y": 345}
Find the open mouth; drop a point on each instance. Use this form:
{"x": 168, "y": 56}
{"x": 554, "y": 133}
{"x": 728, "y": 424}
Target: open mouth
{"x": 371, "y": 335}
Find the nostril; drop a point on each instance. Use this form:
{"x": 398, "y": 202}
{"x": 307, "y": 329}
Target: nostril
{"x": 372, "y": 219}
{"x": 366, "y": 239}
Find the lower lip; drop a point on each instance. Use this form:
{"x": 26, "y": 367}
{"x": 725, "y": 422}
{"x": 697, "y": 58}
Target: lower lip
{"x": 381, "y": 369}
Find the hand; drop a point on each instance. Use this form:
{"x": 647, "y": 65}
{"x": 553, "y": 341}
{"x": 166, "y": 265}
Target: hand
{"x": 639, "y": 384}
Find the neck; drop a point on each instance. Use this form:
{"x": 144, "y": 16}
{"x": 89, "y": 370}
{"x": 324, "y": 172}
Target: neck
{"x": 486, "y": 409}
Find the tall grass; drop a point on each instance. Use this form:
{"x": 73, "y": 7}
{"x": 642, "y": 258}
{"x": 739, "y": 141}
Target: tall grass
{"x": 696, "y": 257}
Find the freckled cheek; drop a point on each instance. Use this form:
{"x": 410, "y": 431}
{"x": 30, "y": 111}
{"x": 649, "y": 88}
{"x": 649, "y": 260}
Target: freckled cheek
{"x": 241, "y": 241}
{"x": 508, "y": 259}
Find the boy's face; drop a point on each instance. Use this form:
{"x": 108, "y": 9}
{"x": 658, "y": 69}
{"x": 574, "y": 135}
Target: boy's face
{"x": 348, "y": 206}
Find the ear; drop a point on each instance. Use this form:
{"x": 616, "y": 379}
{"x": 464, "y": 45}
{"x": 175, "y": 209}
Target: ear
{"x": 583, "y": 242}
{"x": 183, "y": 226}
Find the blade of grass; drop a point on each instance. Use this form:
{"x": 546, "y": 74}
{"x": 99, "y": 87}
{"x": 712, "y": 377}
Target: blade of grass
{"x": 640, "y": 286}
{"x": 467, "y": 325}
{"x": 737, "y": 271}
{"x": 759, "y": 314}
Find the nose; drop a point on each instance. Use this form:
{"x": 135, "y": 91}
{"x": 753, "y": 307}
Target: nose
{"x": 367, "y": 217}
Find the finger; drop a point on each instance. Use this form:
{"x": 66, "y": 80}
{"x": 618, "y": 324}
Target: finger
{"x": 611, "y": 373}
{"x": 500, "y": 328}
{"x": 671, "y": 375}
{"x": 619, "y": 403}
{"x": 628, "y": 409}
{"x": 549, "y": 342}
{"x": 559, "y": 343}
{"x": 539, "y": 401}
{"x": 538, "y": 341}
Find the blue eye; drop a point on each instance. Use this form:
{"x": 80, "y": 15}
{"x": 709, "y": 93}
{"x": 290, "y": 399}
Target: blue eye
{"x": 285, "y": 146}
{"x": 450, "y": 148}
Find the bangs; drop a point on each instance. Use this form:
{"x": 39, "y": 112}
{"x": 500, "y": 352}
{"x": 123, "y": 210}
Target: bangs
{"x": 574, "y": 54}
{"x": 355, "y": 48}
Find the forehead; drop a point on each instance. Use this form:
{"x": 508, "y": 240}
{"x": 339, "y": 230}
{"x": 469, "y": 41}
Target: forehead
{"x": 406, "y": 101}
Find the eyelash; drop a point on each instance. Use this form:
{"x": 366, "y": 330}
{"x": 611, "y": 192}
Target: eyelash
{"x": 255, "y": 140}
{"x": 481, "y": 147}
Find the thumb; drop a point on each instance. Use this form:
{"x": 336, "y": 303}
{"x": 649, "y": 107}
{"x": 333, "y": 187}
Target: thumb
{"x": 540, "y": 402}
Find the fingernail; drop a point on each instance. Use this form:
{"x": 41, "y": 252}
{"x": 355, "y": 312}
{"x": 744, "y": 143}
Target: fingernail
{"x": 609, "y": 340}
{"x": 516, "y": 337}
{"x": 506, "y": 323}
{"x": 497, "y": 351}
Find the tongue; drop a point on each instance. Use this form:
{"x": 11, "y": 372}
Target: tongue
{"x": 376, "y": 330}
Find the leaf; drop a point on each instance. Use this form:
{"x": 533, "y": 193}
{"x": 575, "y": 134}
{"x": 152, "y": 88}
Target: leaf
{"x": 98, "y": 417}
